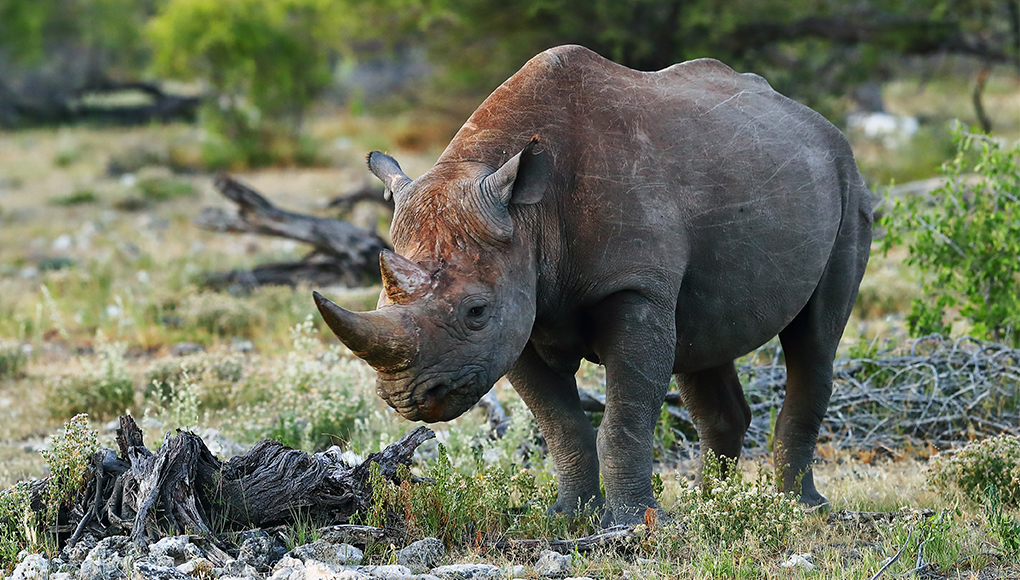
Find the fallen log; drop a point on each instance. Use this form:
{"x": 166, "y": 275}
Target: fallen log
{"x": 342, "y": 253}
{"x": 184, "y": 488}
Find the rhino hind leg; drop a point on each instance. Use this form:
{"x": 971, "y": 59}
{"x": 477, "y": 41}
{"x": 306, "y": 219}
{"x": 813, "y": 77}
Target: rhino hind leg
{"x": 715, "y": 400}
{"x": 551, "y": 395}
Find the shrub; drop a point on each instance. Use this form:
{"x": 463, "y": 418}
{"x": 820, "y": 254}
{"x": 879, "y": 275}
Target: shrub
{"x": 732, "y": 508}
{"x": 219, "y": 314}
{"x": 1001, "y": 525}
{"x": 80, "y": 197}
{"x": 18, "y": 523}
{"x": 266, "y": 60}
{"x": 214, "y": 374}
{"x": 970, "y": 470}
{"x": 12, "y": 359}
{"x": 68, "y": 459}
{"x": 164, "y": 189}
{"x": 463, "y": 509}
{"x": 965, "y": 240}
{"x": 103, "y": 388}
{"x": 315, "y": 399}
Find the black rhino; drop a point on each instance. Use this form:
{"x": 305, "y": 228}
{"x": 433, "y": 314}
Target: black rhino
{"x": 658, "y": 223}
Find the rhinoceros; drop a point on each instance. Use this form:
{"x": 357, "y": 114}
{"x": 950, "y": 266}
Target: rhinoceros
{"x": 657, "y": 223}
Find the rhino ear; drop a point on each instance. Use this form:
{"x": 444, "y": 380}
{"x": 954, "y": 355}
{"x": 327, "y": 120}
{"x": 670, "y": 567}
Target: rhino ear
{"x": 388, "y": 171}
{"x": 523, "y": 179}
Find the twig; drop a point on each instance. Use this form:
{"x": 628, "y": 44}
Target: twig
{"x": 892, "y": 561}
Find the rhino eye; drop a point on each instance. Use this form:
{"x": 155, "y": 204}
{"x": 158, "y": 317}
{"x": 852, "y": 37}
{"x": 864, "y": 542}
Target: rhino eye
{"x": 477, "y": 315}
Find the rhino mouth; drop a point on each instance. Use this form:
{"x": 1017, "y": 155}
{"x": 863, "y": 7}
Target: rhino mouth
{"x": 443, "y": 400}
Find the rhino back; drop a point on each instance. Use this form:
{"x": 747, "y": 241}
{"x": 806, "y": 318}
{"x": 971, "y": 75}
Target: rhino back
{"x": 693, "y": 184}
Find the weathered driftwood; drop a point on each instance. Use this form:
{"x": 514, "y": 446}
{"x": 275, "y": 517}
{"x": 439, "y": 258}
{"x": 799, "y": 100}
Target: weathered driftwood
{"x": 342, "y": 253}
{"x": 345, "y": 203}
{"x": 940, "y": 393}
{"x": 183, "y": 488}
{"x": 615, "y": 538}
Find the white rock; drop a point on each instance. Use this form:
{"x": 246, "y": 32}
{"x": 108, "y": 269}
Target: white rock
{"x": 423, "y": 555}
{"x": 32, "y": 567}
{"x": 62, "y": 243}
{"x": 467, "y": 572}
{"x": 802, "y": 561}
{"x": 173, "y": 546}
{"x": 516, "y": 571}
{"x": 322, "y": 551}
{"x": 289, "y": 562}
{"x": 388, "y": 572}
{"x": 553, "y": 564}
{"x": 149, "y": 571}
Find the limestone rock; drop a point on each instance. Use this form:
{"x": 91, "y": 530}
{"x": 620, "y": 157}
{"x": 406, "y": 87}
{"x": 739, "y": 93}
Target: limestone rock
{"x": 553, "y": 564}
{"x": 33, "y": 567}
{"x": 326, "y": 552}
{"x": 422, "y": 556}
{"x": 467, "y": 572}
{"x": 149, "y": 571}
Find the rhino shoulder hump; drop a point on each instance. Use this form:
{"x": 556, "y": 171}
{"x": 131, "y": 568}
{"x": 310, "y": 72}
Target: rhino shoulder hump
{"x": 710, "y": 67}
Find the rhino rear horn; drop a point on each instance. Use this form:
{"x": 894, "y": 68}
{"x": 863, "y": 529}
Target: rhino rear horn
{"x": 379, "y": 337}
{"x": 403, "y": 280}
{"x": 388, "y": 171}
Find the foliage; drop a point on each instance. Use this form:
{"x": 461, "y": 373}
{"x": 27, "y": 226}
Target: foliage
{"x": 18, "y": 523}
{"x": 808, "y": 49}
{"x": 970, "y": 470}
{"x": 102, "y": 389}
{"x": 314, "y": 400}
{"x": 68, "y": 459}
{"x": 465, "y": 509}
{"x": 12, "y": 359}
{"x": 80, "y": 197}
{"x": 215, "y": 375}
{"x": 965, "y": 240}
{"x": 29, "y": 29}
{"x": 728, "y": 509}
{"x": 1001, "y": 525}
{"x": 266, "y": 60}
{"x": 164, "y": 189}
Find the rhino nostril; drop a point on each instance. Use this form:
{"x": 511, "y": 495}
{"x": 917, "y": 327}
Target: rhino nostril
{"x": 432, "y": 396}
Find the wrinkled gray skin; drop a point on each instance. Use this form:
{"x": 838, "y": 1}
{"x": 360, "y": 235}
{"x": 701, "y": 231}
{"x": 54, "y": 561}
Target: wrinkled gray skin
{"x": 662, "y": 224}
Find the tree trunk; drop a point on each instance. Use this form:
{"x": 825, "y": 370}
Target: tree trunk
{"x": 342, "y": 253}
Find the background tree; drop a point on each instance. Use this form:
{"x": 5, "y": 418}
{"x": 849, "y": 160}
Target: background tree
{"x": 812, "y": 50}
{"x": 965, "y": 239}
{"x": 265, "y": 60}
{"x": 52, "y": 51}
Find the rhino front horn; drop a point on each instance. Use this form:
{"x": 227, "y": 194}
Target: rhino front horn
{"x": 379, "y": 337}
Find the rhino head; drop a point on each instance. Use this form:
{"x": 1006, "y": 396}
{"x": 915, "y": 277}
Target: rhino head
{"x": 458, "y": 300}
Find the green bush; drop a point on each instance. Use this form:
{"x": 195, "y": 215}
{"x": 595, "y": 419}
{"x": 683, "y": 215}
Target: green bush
{"x": 103, "y": 388}
{"x": 460, "y": 509}
{"x": 18, "y": 524}
{"x": 732, "y": 508}
{"x": 80, "y": 197}
{"x": 68, "y": 458}
{"x": 12, "y": 359}
{"x": 215, "y": 374}
{"x": 164, "y": 189}
{"x": 266, "y": 60}
{"x": 970, "y": 470}
{"x": 965, "y": 240}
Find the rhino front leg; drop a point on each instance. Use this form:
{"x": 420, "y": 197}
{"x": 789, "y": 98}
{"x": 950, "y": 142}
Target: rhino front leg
{"x": 635, "y": 339}
{"x": 551, "y": 395}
